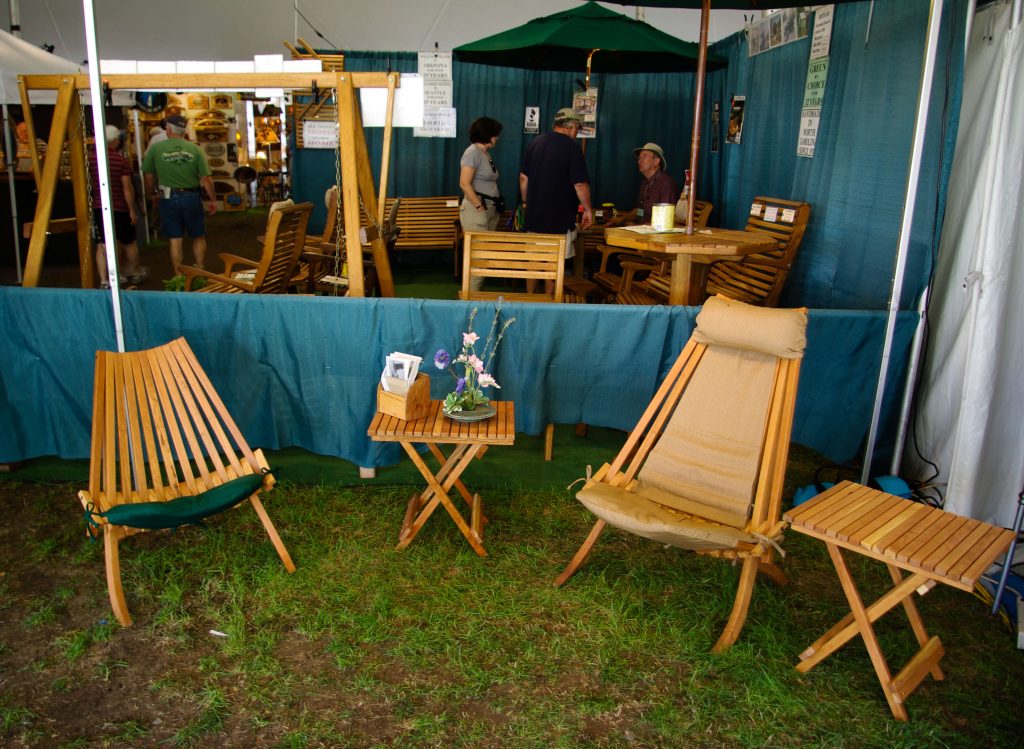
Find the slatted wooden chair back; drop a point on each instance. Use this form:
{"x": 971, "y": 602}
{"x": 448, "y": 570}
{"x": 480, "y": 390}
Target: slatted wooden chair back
{"x": 429, "y": 223}
{"x": 704, "y": 467}
{"x": 285, "y": 241}
{"x": 510, "y": 257}
{"x": 759, "y": 278}
{"x": 275, "y": 270}
{"x": 160, "y": 432}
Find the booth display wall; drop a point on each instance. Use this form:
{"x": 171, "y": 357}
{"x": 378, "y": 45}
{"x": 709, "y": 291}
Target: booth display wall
{"x": 303, "y": 371}
{"x": 855, "y": 183}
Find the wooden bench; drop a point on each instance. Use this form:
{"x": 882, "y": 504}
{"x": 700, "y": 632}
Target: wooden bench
{"x": 427, "y": 223}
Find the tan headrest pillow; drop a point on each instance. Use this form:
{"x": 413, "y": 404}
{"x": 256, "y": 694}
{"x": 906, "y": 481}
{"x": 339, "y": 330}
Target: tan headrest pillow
{"x": 776, "y": 332}
{"x": 280, "y": 205}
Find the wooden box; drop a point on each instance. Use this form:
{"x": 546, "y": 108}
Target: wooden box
{"x": 415, "y": 404}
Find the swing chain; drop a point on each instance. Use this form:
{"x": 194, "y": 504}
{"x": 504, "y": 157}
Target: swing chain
{"x": 339, "y": 219}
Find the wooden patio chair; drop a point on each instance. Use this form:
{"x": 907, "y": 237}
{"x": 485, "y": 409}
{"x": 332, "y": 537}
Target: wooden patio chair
{"x": 511, "y": 256}
{"x": 611, "y": 283}
{"x": 165, "y": 452}
{"x": 758, "y": 278}
{"x": 704, "y": 467}
{"x": 272, "y": 273}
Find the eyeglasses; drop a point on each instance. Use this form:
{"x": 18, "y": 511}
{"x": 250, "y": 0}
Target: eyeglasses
{"x": 493, "y": 167}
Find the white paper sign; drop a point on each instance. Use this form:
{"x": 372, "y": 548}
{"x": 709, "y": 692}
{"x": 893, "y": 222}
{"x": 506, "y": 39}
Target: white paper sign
{"x": 437, "y": 92}
{"x": 319, "y": 134}
{"x": 439, "y": 122}
{"x": 436, "y": 65}
{"x": 822, "y": 37}
{"x": 408, "y": 103}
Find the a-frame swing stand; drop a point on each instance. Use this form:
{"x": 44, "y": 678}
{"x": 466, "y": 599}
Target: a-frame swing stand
{"x": 357, "y": 185}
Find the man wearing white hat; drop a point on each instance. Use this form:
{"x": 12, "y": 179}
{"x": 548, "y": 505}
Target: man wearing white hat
{"x": 657, "y": 187}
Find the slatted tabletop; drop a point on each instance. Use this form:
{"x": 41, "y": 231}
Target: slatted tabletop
{"x": 438, "y": 428}
{"x": 915, "y": 537}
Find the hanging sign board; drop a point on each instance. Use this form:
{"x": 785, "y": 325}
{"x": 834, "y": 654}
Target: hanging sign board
{"x": 319, "y": 134}
{"x": 814, "y": 87}
{"x": 531, "y": 121}
{"x": 438, "y": 122}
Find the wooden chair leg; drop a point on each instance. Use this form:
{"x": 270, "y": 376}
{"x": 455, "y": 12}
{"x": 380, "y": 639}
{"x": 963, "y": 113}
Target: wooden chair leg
{"x": 581, "y": 554}
{"x": 738, "y": 617}
{"x": 272, "y": 532}
{"x": 549, "y": 442}
{"x": 112, "y": 536}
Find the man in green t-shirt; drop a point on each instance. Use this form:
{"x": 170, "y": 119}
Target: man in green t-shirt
{"x": 177, "y": 171}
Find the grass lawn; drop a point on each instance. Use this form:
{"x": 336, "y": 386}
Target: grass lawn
{"x": 432, "y": 646}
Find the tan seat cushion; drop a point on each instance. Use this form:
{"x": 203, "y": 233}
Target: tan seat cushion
{"x": 636, "y": 513}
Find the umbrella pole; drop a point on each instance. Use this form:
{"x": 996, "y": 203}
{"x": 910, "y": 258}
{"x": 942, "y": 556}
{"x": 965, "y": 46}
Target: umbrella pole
{"x": 586, "y": 87}
{"x": 698, "y": 112}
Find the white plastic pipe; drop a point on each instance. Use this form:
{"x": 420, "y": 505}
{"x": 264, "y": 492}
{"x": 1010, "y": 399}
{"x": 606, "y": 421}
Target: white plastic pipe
{"x": 12, "y": 158}
{"x": 103, "y": 167}
{"x": 920, "y": 125}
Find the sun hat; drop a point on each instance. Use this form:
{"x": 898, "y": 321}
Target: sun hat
{"x": 655, "y": 149}
{"x": 112, "y": 132}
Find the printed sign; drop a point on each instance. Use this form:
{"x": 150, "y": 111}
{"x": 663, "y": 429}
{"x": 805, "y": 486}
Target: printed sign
{"x": 319, "y": 134}
{"x": 531, "y": 121}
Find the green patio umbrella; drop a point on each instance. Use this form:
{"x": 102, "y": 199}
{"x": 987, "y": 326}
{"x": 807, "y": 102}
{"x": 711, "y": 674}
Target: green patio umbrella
{"x": 588, "y": 37}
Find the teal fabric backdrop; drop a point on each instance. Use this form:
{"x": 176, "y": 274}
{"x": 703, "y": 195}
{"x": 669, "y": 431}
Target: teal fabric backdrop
{"x": 855, "y": 183}
{"x": 302, "y": 371}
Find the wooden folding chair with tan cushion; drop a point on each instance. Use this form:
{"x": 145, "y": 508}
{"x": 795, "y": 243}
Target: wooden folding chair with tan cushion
{"x": 704, "y": 467}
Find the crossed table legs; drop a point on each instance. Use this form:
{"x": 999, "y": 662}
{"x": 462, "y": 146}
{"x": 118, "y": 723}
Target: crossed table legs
{"x": 422, "y": 505}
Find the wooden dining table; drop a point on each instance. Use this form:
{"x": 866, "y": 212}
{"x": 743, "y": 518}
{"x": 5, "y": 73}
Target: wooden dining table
{"x": 690, "y": 255}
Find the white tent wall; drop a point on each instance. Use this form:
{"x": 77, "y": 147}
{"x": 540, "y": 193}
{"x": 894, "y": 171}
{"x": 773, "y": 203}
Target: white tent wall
{"x": 238, "y": 29}
{"x": 970, "y": 416}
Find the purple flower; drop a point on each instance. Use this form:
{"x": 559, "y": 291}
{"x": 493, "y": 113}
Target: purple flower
{"x": 460, "y": 386}
{"x": 442, "y": 359}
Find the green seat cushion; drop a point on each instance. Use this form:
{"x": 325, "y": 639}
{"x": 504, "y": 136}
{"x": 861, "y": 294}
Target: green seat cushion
{"x": 184, "y": 510}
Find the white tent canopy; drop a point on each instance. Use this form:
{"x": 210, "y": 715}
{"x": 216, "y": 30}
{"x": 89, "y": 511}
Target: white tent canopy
{"x": 970, "y": 419}
{"x": 18, "y": 57}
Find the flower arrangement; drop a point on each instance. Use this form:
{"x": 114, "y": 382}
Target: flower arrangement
{"x": 470, "y": 368}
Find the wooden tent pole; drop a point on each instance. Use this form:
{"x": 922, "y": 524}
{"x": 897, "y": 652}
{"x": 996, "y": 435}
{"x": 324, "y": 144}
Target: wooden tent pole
{"x": 698, "y": 112}
{"x": 48, "y": 182}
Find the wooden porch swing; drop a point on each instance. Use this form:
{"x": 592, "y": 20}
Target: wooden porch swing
{"x": 357, "y": 184}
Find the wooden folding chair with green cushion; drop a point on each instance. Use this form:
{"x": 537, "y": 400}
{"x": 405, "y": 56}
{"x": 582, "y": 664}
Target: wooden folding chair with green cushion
{"x": 612, "y": 283}
{"x": 273, "y": 272}
{"x": 758, "y": 278}
{"x": 165, "y": 453}
{"x": 704, "y": 467}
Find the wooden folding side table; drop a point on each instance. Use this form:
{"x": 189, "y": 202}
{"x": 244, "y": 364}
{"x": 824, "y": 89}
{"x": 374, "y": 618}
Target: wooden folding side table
{"x": 934, "y": 546}
{"x": 470, "y": 441}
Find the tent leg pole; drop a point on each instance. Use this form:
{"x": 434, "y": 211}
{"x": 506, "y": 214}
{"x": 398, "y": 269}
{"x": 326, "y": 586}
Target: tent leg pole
{"x": 920, "y": 126}
{"x": 11, "y": 160}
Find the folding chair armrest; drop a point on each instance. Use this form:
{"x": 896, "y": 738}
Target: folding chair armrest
{"x": 230, "y": 261}
{"x": 635, "y": 264}
{"x": 191, "y": 273}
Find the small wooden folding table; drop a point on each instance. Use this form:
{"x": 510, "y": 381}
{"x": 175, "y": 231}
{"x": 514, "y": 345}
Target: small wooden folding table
{"x": 933, "y": 545}
{"x": 470, "y": 441}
